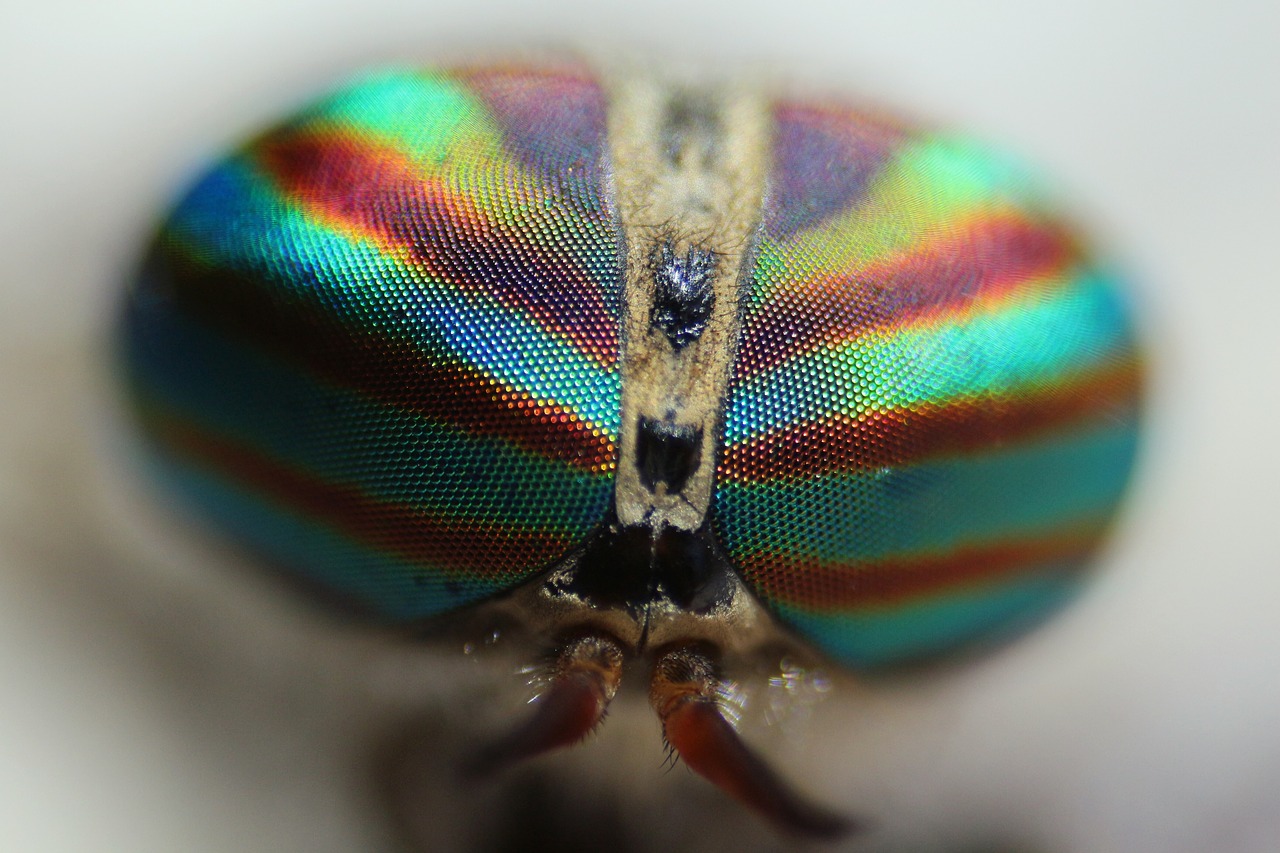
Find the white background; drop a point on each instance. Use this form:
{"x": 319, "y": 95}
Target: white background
{"x": 1163, "y": 119}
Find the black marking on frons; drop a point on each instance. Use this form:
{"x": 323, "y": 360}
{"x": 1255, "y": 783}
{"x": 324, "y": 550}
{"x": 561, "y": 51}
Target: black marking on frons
{"x": 683, "y": 296}
{"x": 691, "y": 127}
{"x": 628, "y": 568}
{"x": 667, "y": 453}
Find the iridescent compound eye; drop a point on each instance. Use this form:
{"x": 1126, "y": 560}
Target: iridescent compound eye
{"x": 670, "y": 373}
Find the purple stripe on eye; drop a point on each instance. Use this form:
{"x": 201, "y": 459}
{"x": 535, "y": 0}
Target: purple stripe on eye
{"x": 824, "y": 160}
{"x": 553, "y": 122}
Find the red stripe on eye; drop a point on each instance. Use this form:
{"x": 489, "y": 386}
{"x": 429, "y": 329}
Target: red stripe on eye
{"x": 981, "y": 259}
{"x": 380, "y": 368}
{"x": 462, "y": 548}
{"x": 817, "y": 587}
{"x": 879, "y": 439}
{"x": 527, "y": 255}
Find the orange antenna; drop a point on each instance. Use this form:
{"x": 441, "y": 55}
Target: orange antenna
{"x": 683, "y": 692}
{"x": 586, "y": 678}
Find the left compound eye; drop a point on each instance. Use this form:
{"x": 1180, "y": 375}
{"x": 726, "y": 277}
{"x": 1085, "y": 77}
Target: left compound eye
{"x": 380, "y": 342}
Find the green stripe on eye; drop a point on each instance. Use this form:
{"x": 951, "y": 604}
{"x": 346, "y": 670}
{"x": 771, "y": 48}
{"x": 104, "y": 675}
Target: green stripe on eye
{"x": 427, "y": 116}
{"x": 928, "y": 186}
{"x": 1025, "y": 343}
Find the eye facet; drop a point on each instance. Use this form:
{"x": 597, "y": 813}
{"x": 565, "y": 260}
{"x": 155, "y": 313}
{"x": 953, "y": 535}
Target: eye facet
{"x": 668, "y": 372}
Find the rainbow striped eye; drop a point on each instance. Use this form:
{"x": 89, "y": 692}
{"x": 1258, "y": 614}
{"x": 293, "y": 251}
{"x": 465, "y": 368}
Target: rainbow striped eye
{"x": 669, "y": 372}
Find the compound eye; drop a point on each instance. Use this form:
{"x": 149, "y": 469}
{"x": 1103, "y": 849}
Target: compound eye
{"x": 933, "y": 412}
{"x": 380, "y": 342}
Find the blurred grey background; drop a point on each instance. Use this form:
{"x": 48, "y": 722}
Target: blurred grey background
{"x": 1147, "y": 719}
